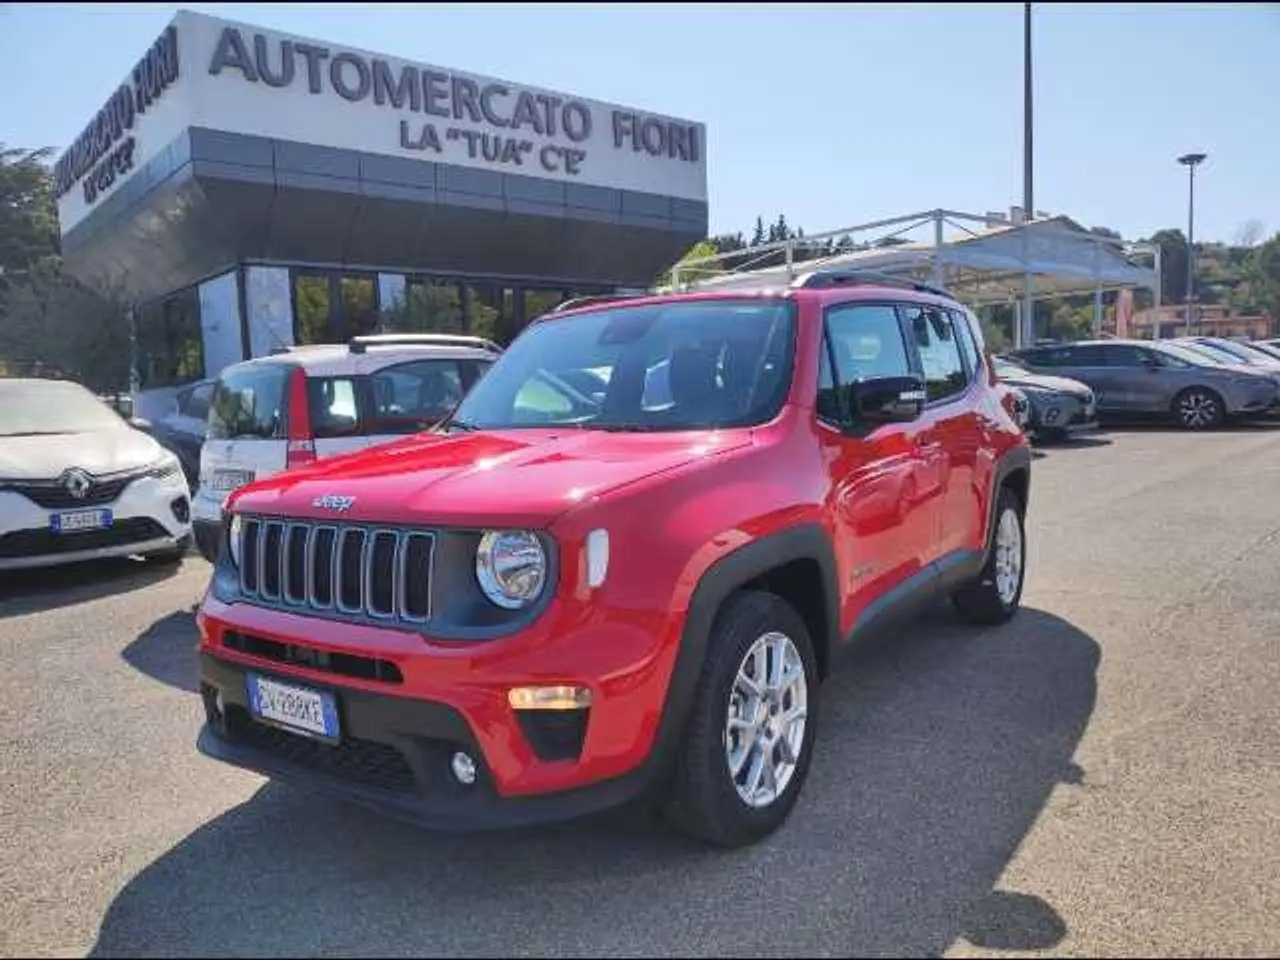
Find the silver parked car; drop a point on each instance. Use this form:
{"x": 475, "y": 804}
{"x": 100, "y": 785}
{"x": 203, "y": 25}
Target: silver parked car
{"x": 1142, "y": 377}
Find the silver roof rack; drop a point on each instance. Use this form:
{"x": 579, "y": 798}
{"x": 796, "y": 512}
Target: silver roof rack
{"x": 363, "y": 343}
{"x": 844, "y": 276}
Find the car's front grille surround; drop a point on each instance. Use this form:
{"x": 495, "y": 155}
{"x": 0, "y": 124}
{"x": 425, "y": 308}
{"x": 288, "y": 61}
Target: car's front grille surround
{"x": 355, "y": 570}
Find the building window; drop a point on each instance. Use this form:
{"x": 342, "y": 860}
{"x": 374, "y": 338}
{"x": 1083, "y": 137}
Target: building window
{"x": 491, "y": 312}
{"x": 311, "y": 309}
{"x": 432, "y": 306}
{"x": 169, "y": 341}
{"x": 359, "y": 305}
{"x": 332, "y": 307}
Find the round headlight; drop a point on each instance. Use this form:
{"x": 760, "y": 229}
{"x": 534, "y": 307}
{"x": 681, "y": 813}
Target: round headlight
{"x": 511, "y": 567}
{"x": 233, "y": 539}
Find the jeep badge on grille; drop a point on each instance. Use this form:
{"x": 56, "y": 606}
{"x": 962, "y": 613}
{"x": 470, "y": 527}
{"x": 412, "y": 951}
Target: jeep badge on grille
{"x": 331, "y": 501}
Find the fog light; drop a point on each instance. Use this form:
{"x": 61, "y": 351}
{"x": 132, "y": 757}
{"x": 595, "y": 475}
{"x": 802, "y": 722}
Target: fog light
{"x": 549, "y": 698}
{"x": 464, "y": 768}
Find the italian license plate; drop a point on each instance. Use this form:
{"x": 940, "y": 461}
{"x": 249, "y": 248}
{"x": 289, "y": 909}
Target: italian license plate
{"x": 302, "y": 709}
{"x": 75, "y": 520}
{"x": 231, "y": 479}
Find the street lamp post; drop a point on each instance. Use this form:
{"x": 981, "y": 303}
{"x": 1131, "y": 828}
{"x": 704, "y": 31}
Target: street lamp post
{"x": 1027, "y": 317}
{"x": 1190, "y": 161}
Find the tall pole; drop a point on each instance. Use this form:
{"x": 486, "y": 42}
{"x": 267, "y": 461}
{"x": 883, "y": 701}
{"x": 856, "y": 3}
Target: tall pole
{"x": 1191, "y": 161}
{"x": 1028, "y": 194}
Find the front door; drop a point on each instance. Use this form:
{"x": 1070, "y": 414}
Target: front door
{"x": 884, "y": 487}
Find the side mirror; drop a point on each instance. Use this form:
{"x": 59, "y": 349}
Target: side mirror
{"x": 882, "y": 400}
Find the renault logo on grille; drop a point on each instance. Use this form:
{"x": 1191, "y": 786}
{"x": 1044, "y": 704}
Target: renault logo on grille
{"x": 331, "y": 501}
{"x": 77, "y": 483}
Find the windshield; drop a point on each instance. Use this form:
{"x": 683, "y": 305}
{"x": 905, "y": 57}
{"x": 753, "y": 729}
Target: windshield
{"x": 248, "y": 403}
{"x": 1196, "y": 354}
{"x": 33, "y": 408}
{"x": 1241, "y": 353}
{"x": 668, "y": 366}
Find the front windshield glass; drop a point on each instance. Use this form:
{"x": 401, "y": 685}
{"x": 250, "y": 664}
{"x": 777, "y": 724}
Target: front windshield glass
{"x": 1234, "y": 353}
{"x": 1196, "y": 355}
{"x": 33, "y": 408}
{"x": 668, "y": 366}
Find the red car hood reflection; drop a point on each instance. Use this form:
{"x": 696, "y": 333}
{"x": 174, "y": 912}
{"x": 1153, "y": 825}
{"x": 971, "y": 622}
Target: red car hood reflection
{"x": 501, "y": 478}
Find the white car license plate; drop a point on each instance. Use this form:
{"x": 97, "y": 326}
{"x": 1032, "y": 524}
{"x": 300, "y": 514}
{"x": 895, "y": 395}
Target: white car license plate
{"x": 80, "y": 520}
{"x": 314, "y": 712}
{"x": 231, "y": 479}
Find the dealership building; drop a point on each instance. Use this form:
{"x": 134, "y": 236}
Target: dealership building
{"x": 246, "y": 190}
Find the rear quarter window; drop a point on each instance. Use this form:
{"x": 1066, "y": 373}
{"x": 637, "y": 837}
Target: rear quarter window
{"x": 249, "y": 404}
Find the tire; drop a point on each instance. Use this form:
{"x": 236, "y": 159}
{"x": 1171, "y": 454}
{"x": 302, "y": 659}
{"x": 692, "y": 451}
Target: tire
{"x": 1198, "y": 408}
{"x": 705, "y": 801}
{"x": 984, "y": 602}
{"x": 173, "y": 554}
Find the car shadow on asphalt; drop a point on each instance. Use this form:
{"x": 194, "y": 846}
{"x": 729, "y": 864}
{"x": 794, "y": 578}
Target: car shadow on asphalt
{"x": 1091, "y": 442}
{"x": 166, "y": 651}
{"x": 939, "y": 746}
{"x": 41, "y": 589}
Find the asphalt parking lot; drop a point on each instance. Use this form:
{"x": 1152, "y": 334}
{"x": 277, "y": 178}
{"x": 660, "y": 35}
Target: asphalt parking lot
{"x": 1100, "y": 777}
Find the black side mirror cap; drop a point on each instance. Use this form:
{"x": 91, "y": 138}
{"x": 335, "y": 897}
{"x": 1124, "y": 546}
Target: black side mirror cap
{"x": 882, "y": 400}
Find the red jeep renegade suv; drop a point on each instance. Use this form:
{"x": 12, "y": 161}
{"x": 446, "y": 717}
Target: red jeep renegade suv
{"x": 624, "y": 565}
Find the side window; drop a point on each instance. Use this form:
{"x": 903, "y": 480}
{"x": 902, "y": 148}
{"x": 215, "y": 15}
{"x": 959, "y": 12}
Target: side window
{"x": 969, "y": 349}
{"x": 331, "y": 403}
{"x": 866, "y": 340}
{"x": 936, "y": 339}
{"x": 1122, "y": 355}
{"x": 1089, "y": 355}
{"x": 409, "y": 397}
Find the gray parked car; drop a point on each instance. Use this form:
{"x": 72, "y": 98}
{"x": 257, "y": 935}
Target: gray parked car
{"x": 1142, "y": 377}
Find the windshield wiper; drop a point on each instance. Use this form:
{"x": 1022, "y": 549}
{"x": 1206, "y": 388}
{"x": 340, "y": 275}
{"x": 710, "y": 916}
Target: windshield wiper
{"x": 455, "y": 424}
{"x": 37, "y": 433}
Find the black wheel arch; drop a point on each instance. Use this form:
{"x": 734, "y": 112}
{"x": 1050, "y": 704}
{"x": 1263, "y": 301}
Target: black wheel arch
{"x": 787, "y": 557}
{"x": 1014, "y": 471}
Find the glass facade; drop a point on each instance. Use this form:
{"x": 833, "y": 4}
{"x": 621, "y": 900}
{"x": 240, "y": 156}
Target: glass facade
{"x": 332, "y": 306}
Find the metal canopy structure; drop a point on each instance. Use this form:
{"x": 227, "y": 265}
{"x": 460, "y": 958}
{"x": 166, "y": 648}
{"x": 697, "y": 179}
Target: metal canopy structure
{"x": 982, "y": 260}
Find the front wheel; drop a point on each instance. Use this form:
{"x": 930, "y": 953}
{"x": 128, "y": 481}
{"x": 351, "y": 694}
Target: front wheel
{"x": 995, "y": 595}
{"x": 1199, "y": 409}
{"x": 747, "y": 749}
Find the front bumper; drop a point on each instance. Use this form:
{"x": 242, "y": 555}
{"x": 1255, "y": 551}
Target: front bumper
{"x": 394, "y": 757}
{"x": 1063, "y": 414}
{"x": 150, "y": 515}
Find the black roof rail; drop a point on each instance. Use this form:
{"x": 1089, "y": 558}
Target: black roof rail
{"x": 363, "y": 343}
{"x": 841, "y": 276}
{"x": 573, "y": 303}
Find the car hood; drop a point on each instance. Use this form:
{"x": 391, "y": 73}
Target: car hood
{"x": 100, "y": 452}
{"x": 498, "y": 478}
{"x": 1039, "y": 381}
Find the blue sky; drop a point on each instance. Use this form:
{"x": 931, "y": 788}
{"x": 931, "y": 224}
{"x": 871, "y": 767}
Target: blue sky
{"x": 832, "y": 114}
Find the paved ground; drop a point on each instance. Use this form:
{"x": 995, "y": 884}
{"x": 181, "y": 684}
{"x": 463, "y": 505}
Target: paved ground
{"x": 1101, "y": 777}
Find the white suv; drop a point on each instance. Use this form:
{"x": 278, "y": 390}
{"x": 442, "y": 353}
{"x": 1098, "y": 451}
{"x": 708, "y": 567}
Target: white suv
{"x": 306, "y": 403}
{"x": 79, "y": 482}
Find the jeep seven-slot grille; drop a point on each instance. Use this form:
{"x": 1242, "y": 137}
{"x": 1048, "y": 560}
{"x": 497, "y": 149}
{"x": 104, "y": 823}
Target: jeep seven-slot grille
{"x": 347, "y": 569}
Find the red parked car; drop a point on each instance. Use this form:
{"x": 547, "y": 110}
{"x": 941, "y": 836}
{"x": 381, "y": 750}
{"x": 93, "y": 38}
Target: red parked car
{"x": 624, "y": 565}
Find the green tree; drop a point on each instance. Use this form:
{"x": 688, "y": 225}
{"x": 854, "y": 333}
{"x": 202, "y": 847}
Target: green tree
{"x": 698, "y": 251}
{"x": 28, "y": 213}
{"x": 47, "y": 316}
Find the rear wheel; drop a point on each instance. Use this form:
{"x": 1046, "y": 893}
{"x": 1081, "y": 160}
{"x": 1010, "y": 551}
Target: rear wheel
{"x": 996, "y": 594}
{"x": 747, "y": 748}
{"x": 1199, "y": 409}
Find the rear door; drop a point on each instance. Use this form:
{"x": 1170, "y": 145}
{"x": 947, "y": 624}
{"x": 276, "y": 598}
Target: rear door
{"x": 951, "y": 432}
{"x": 245, "y": 436}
